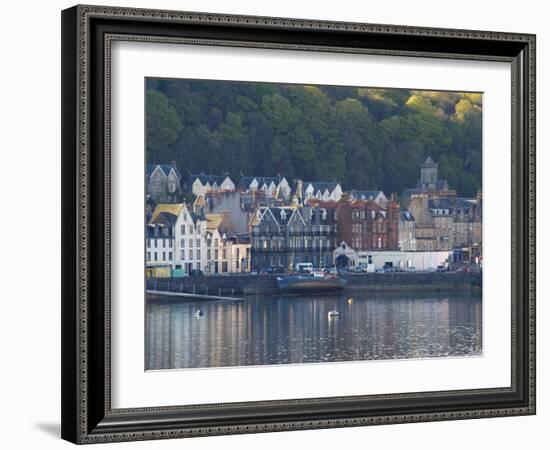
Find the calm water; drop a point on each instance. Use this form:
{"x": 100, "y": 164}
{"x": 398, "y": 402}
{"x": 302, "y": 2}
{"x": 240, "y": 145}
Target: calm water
{"x": 283, "y": 330}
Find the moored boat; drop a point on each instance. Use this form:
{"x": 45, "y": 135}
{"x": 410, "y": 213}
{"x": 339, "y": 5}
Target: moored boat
{"x": 310, "y": 282}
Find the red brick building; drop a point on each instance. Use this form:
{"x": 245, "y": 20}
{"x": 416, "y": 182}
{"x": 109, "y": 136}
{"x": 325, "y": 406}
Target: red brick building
{"x": 365, "y": 225}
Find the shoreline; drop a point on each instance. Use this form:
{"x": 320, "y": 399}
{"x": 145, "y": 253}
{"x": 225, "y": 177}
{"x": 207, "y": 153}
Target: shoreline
{"x": 230, "y": 287}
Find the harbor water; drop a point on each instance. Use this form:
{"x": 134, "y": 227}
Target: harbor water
{"x": 183, "y": 334}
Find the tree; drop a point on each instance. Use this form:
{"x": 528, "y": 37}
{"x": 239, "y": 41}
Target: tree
{"x": 163, "y": 127}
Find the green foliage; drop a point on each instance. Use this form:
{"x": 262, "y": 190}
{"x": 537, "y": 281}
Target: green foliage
{"x": 366, "y": 138}
{"x": 163, "y": 126}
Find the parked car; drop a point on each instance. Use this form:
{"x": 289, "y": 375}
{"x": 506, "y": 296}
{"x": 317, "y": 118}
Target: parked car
{"x": 253, "y": 272}
{"x": 463, "y": 269}
{"x": 441, "y": 268}
{"x": 359, "y": 269}
{"x": 411, "y": 269}
{"x": 380, "y": 270}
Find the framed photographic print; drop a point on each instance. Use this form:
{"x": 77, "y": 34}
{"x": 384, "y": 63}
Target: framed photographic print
{"x": 281, "y": 224}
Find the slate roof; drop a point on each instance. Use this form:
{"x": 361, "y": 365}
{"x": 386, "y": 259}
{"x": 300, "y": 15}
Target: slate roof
{"x": 166, "y": 168}
{"x": 429, "y": 162}
{"x": 365, "y": 195}
{"x": 325, "y": 204}
{"x": 465, "y": 202}
{"x": 406, "y": 215}
{"x": 441, "y": 203}
{"x": 206, "y": 178}
{"x": 244, "y": 182}
{"x": 409, "y": 192}
{"x": 321, "y": 185}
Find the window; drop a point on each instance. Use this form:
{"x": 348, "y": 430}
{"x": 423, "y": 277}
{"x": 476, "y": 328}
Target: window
{"x": 198, "y": 243}
{"x": 198, "y": 254}
{"x": 156, "y": 256}
{"x": 164, "y": 256}
{"x": 190, "y": 243}
{"x": 170, "y": 243}
{"x": 148, "y": 256}
{"x": 209, "y": 254}
{"x": 182, "y": 254}
{"x": 190, "y": 254}
{"x": 198, "y": 266}
{"x": 216, "y": 254}
{"x": 182, "y": 243}
{"x": 164, "y": 243}
{"x": 183, "y": 229}
{"x": 215, "y": 243}
{"x": 170, "y": 256}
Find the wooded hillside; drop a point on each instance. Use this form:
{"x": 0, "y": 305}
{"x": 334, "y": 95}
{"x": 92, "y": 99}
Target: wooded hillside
{"x": 366, "y": 138}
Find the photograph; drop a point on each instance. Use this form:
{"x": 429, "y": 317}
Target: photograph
{"x": 300, "y": 224}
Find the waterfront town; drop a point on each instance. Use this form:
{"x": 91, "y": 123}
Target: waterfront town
{"x": 204, "y": 224}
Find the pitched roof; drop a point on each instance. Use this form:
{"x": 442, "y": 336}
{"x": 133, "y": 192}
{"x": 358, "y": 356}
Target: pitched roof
{"x": 365, "y": 195}
{"x": 429, "y": 162}
{"x": 441, "y": 203}
{"x": 321, "y": 185}
{"x": 214, "y": 221}
{"x": 408, "y": 192}
{"x": 171, "y": 208}
{"x": 244, "y": 182}
{"x": 326, "y": 204}
{"x": 164, "y": 218}
{"x": 166, "y": 168}
{"x": 207, "y": 178}
{"x": 406, "y": 215}
{"x": 373, "y": 206}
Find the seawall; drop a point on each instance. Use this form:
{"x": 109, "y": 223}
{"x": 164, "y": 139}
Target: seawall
{"x": 245, "y": 284}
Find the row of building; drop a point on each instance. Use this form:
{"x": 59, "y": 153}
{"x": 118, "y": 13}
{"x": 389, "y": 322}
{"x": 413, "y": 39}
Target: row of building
{"x": 265, "y": 222}
{"x": 165, "y": 184}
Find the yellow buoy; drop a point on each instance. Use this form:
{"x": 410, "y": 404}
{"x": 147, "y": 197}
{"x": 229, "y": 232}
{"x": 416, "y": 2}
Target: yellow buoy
{"x": 350, "y": 301}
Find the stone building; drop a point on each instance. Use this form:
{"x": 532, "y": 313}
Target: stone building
{"x": 285, "y": 236}
{"x": 406, "y": 233}
{"x": 163, "y": 182}
{"x": 429, "y": 181}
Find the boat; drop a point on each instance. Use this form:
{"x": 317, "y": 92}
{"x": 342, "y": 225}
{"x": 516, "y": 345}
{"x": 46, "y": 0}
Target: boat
{"x": 309, "y": 282}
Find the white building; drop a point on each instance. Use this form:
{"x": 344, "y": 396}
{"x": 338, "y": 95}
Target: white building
{"x": 322, "y": 190}
{"x": 421, "y": 261}
{"x": 200, "y": 184}
{"x": 179, "y": 238}
{"x": 275, "y": 187}
{"x": 176, "y": 237}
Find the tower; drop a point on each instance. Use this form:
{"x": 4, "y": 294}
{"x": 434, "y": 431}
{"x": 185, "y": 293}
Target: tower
{"x": 428, "y": 174}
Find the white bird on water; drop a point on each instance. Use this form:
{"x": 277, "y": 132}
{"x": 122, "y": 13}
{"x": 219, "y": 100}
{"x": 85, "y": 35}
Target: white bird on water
{"x": 199, "y": 313}
{"x": 333, "y": 313}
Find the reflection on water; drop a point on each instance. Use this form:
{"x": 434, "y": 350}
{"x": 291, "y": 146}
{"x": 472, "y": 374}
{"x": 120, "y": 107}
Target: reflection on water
{"x": 289, "y": 330}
